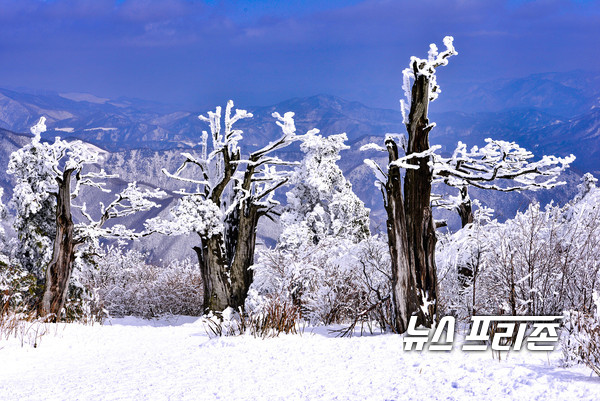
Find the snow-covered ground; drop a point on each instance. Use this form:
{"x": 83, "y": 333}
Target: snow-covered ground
{"x": 134, "y": 359}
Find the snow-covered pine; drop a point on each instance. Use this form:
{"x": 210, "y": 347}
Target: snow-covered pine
{"x": 223, "y": 200}
{"x": 33, "y": 203}
{"x": 50, "y": 176}
{"x": 321, "y": 202}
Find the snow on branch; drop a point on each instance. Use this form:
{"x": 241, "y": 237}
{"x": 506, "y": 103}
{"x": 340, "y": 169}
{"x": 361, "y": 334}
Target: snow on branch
{"x": 225, "y": 181}
{"x": 398, "y": 138}
{"x": 286, "y": 122}
{"x": 403, "y": 162}
{"x": 229, "y": 140}
{"x": 499, "y": 161}
{"x": 380, "y": 175}
{"x": 426, "y": 67}
{"x": 38, "y": 129}
{"x": 129, "y": 201}
{"x": 192, "y": 213}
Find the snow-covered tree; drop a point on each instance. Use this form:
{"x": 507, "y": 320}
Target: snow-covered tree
{"x": 231, "y": 194}
{"x": 411, "y": 229}
{"x": 50, "y": 176}
{"x": 315, "y": 263}
{"x": 33, "y": 203}
{"x": 321, "y": 202}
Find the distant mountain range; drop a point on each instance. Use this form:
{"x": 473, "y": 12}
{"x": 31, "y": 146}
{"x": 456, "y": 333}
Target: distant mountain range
{"x": 546, "y": 113}
{"x": 565, "y": 94}
{"x": 510, "y": 108}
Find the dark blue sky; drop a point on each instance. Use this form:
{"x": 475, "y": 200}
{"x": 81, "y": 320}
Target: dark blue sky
{"x": 198, "y": 53}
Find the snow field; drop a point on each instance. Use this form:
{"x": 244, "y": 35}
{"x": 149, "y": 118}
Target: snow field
{"x": 174, "y": 359}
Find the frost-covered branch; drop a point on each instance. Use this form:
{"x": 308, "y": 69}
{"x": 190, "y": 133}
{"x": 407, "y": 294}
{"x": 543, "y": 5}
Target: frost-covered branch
{"x": 500, "y": 165}
{"x": 427, "y": 68}
{"x": 286, "y": 122}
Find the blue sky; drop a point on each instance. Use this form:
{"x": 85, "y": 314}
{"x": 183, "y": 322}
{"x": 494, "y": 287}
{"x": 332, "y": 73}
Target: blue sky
{"x": 198, "y": 53}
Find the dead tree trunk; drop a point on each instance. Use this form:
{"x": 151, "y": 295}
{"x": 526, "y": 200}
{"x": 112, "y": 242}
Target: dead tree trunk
{"x": 467, "y": 271}
{"x": 420, "y": 227}
{"x": 58, "y": 272}
{"x": 225, "y": 264}
{"x": 403, "y": 280}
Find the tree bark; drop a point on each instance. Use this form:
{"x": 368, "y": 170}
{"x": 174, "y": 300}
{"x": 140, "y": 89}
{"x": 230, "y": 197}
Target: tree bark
{"x": 420, "y": 227}
{"x": 466, "y": 273}
{"x": 225, "y": 262}
{"x": 213, "y": 268}
{"x": 241, "y": 274}
{"x": 403, "y": 280}
{"x": 58, "y": 272}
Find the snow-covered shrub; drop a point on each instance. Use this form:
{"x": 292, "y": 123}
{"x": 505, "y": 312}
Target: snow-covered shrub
{"x": 226, "y": 323}
{"x": 580, "y": 340}
{"x": 521, "y": 274}
{"x": 460, "y": 258}
{"x": 541, "y": 262}
{"x": 276, "y": 317}
{"x": 16, "y": 289}
{"x": 17, "y": 305}
{"x": 122, "y": 283}
{"x": 545, "y": 261}
{"x": 333, "y": 281}
{"x": 321, "y": 263}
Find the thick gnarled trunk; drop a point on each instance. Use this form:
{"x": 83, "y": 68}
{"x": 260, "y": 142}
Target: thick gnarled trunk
{"x": 241, "y": 274}
{"x": 214, "y": 274}
{"x": 58, "y": 272}
{"x": 225, "y": 265}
